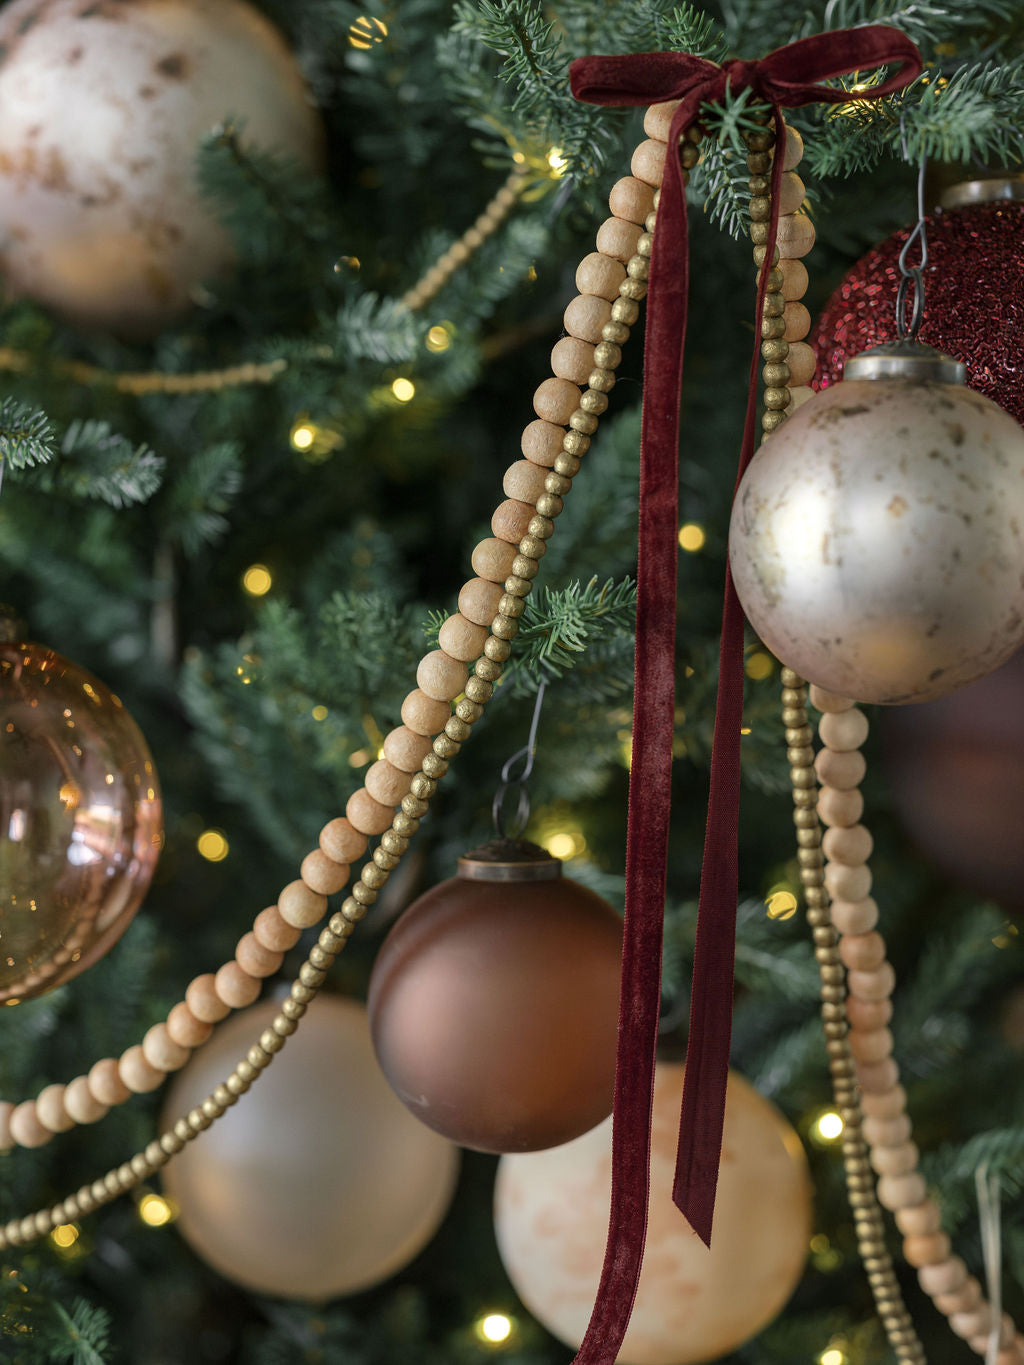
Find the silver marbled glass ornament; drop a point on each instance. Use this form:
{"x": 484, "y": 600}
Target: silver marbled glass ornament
{"x": 877, "y": 537}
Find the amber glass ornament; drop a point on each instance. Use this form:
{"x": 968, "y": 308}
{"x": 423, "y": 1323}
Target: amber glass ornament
{"x": 80, "y": 819}
{"x": 974, "y": 292}
{"x": 494, "y": 1001}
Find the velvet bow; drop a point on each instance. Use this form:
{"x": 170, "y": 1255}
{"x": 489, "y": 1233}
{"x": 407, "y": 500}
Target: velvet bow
{"x": 787, "y": 78}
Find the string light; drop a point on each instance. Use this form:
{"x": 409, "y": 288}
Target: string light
{"x": 319, "y": 713}
{"x": 65, "y": 1235}
{"x": 494, "y": 1328}
{"x": 212, "y": 846}
{"x": 781, "y": 905}
{"x": 832, "y": 1355}
{"x": 156, "y": 1211}
{"x": 566, "y": 844}
{"x": 692, "y": 537}
{"x": 828, "y": 1127}
{"x": 760, "y": 666}
{"x": 302, "y": 435}
{"x": 557, "y": 160}
{"x": 257, "y": 580}
{"x": 439, "y": 337}
{"x": 366, "y": 31}
{"x": 403, "y": 389}
{"x": 359, "y": 759}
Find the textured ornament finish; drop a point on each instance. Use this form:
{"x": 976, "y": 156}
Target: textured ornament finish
{"x": 877, "y": 539}
{"x": 974, "y": 289}
{"x": 318, "y": 1183}
{"x": 551, "y": 1219}
{"x": 101, "y": 110}
{"x": 494, "y": 1009}
{"x": 80, "y": 819}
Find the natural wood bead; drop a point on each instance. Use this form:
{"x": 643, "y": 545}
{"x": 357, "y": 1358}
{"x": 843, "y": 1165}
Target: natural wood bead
{"x": 877, "y": 1077}
{"x": 368, "y": 816}
{"x": 386, "y": 783}
{"x": 795, "y": 236}
{"x": 424, "y": 716}
{"x": 901, "y": 1191}
{"x": 25, "y": 1127}
{"x": 300, "y": 906}
{"x": 794, "y": 149}
{"x": 797, "y": 322}
{"x": 573, "y": 360}
{"x": 885, "y": 1106}
{"x": 136, "y": 1072}
{"x": 848, "y": 883}
{"x": 511, "y": 520}
{"x": 658, "y": 119}
{"x": 402, "y": 746}
{"x": 840, "y": 770}
{"x": 802, "y": 361}
{"x": 870, "y": 1045}
{"x": 524, "y": 480}
{"x": 798, "y": 397}
{"x": 794, "y": 281}
{"x": 555, "y": 401}
{"x": 541, "y": 442}
{"x": 872, "y": 985}
{"x": 829, "y": 702}
{"x": 50, "y": 1109}
{"x": 844, "y": 731}
{"x": 892, "y": 1133}
{"x": 276, "y": 934}
{"x": 1007, "y": 1336}
{"x": 842, "y": 808}
{"x": 929, "y": 1249}
{"x": 254, "y": 959}
{"x": 81, "y": 1104}
{"x": 492, "y": 559}
{"x": 868, "y": 1015}
{"x": 235, "y": 986}
{"x": 105, "y": 1082}
{"x": 648, "y": 162}
{"x": 946, "y": 1277}
{"x": 899, "y": 1160}
{"x": 160, "y": 1050}
{"x": 792, "y": 193}
{"x": 600, "y": 275}
{"x": 184, "y": 1028}
{"x": 441, "y": 677}
{"x": 632, "y": 200}
{"x": 204, "y": 1002}
{"x": 862, "y": 952}
{"x": 322, "y": 874}
{"x": 585, "y": 317}
{"x": 617, "y": 238}
{"x": 854, "y": 917}
{"x": 975, "y": 1322}
{"x": 849, "y": 845}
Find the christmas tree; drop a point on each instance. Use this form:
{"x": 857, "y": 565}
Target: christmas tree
{"x": 251, "y": 433}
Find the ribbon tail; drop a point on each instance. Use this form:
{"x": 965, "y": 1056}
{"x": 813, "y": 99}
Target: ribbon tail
{"x": 702, "y": 1116}
{"x": 650, "y": 783}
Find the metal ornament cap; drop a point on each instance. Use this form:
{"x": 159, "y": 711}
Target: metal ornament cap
{"x": 509, "y": 860}
{"x": 877, "y": 537}
{"x": 968, "y": 192}
{"x": 911, "y": 360}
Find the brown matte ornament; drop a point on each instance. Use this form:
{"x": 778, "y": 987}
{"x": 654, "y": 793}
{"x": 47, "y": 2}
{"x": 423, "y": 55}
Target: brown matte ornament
{"x": 80, "y": 819}
{"x": 493, "y": 1003}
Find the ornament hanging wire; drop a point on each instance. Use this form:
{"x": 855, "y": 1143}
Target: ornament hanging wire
{"x": 987, "y": 1184}
{"x": 912, "y": 276}
{"x": 525, "y": 756}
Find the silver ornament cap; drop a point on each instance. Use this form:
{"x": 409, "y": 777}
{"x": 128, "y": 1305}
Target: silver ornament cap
{"x": 877, "y": 537}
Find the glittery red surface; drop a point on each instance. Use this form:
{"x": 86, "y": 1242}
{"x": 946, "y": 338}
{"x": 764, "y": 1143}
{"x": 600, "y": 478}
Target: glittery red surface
{"x": 974, "y": 301}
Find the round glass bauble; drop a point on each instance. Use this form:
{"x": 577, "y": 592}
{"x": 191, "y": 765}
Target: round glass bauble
{"x": 80, "y": 819}
{"x": 877, "y": 539}
{"x": 318, "y": 1183}
{"x": 692, "y": 1304}
{"x": 494, "y": 1005}
{"x": 102, "y": 108}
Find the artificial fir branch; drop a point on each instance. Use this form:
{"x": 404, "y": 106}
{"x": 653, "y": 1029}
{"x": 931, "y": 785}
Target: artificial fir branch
{"x": 26, "y": 436}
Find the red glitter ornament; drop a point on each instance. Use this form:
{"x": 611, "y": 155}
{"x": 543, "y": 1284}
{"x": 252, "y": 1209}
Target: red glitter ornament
{"x": 974, "y": 300}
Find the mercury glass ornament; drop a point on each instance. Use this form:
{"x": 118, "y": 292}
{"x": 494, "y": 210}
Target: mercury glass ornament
{"x": 877, "y": 537}
{"x": 80, "y": 819}
{"x": 494, "y": 1003}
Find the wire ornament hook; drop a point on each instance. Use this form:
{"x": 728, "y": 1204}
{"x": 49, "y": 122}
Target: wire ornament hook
{"x": 525, "y": 755}
{"x": 912, "y": 276}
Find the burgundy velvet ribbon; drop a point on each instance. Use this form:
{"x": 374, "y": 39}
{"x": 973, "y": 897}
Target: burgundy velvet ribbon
{"x": 788, "y": 77}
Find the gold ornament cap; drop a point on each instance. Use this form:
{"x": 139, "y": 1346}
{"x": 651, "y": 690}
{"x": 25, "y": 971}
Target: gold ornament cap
{"x": 968, "y": 192}
{"x": 906, "y": 360}
{"x": 509, "y": 860}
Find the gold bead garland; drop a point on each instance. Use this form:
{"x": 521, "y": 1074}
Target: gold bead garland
{"x": 511, "y": 561}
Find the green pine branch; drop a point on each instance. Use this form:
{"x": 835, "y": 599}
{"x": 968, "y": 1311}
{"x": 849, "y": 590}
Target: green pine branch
{"x": 204, "y": 490}
{"x": 26, "y": 435}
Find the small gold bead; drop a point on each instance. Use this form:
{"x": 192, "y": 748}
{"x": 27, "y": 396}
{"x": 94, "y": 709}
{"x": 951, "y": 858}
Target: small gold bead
{"x": 330, "y": 941}
{"x": 413, "y": 805}
{"x": 777, "y": 399}
{"x": 803, "y": 778}
{"x": 583, "y": 421}
{"x": 759, "y": 163}
{"x": 800, "y": 757}
{"x": 314, "y": 977}
{"x": 258, "y": 1057}
{"x": 651, "y": 221}
{"x": 575, "y": 443}
{"x": 525, "y": 567}
{"x": 505, "y": 627}
{"x": 551, "y": 504}
{"x": 422, "y": 786}
{"x": 832, "y": 975}
{"x": 792, "y": 715}
{"x": 644, "y": 243}
{"x": 773, "y": 343}
{"x": 388, "y": 861}
{"x": 299, "y": 990}
{"x": 270, "y": 1041}
{"x": 508, "y": 605}
{"x": 833, "y": 993}
{"x": 760, "y": 208}
{"x": 774, "y": 306}
{"x": 236, "y": 1084}
{"x": 638, "y": 268}
{"x": 775, "y": 376}
{"x": 759, "y": 233}
{"x": 371, "y": 875}
{"x": 792, "y": 696}
{"x": 760, "y": 142}
{"x": 689, "y": 155}
{"x": 617, "y": 330}
{"x": 365, "y": 895}
{"x": 339, "y": 925}
{"x": 352, "y": 911}
{"x": 172, "y": 1143}
{"x": 632, "y": 288}
{"x": 759, "y": 184}
{"x": 476, "y": 690}
{"x": 594, "y": 402}
{"x": 656, "y": 198}
{"x": 469, "y": 710}
{"x": 433, "y": 765}
{"x": 532, "y": 547}
{"x": 457, "y": 728}
{"x": 806, "y": 797}
{"x": 624, "y": 310}
{"x": 444, "y": 747}
{"x": 497, "y": 649}
{"x": 607, "y": 356}
{"x": 542, "y": 527}
{"x": 565, "y": 464}
{"x": 319, "y": 958}
{"x": 488, "y": 670}
{"x": 403, "y": 825}
{"x": 283, "y": 1026}
{"x": 601, "y": 381}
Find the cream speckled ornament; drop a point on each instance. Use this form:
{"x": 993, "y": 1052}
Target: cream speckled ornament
{"x": 101, "y": 109}
{"x": 551, "y": 1217}
{"x": 877, "y": 540}
{"x": 320, "y": 1182}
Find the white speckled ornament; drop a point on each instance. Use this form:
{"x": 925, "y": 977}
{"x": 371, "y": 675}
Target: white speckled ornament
{"x": 877, "y": 540}
{"x": 102, "y": 105}
{"x": 551, "y": 1218}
